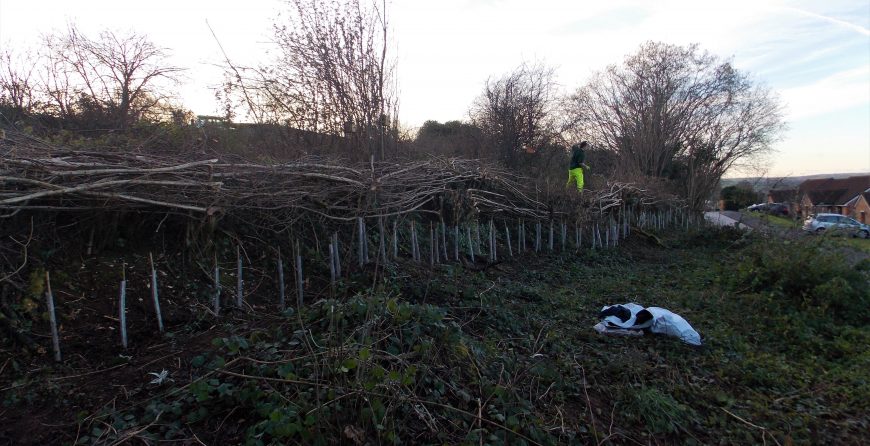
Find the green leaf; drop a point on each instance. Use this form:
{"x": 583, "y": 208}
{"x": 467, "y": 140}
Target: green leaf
{"x": 197, "y": 361}
{"x": 347, "y": 365}
{"x": 392, "y": 306}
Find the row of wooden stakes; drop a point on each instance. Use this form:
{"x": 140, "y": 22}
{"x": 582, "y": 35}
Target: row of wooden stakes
{"x": 438, "y": 253}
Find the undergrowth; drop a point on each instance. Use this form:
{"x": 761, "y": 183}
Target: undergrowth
{"x": 804, "y": 275}
{"x": 507, "y": 356}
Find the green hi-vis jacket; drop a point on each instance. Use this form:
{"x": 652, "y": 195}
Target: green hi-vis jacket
{"x": 577, "y": 158}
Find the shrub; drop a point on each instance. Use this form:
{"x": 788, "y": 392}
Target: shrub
{"x": 805, "y": 275}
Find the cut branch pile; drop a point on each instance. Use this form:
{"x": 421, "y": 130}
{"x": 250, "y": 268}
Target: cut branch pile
{"x": 275, "y": 196}
{"x": 66, "y": 180}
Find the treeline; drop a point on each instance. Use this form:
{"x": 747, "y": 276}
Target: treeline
{"x": 107, "y": 82}
{"x": 670, "y": 117}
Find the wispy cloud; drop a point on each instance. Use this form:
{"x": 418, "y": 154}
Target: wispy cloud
{"x": 841, "y": 90}
{"x": 833, "y": 20}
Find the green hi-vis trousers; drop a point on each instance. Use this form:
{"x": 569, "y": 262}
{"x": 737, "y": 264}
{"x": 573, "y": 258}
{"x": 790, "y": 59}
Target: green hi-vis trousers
{"x": 576, "y": 175}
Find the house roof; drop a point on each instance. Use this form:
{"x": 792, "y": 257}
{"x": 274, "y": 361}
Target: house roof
{"x": 782, "y": 195}
{"x": 835, "y": 191}
{"x": 826, "y": 196}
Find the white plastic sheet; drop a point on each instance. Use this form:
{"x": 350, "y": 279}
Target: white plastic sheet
{"x": 672, "y": 324}
{"x": 663, "y": 321}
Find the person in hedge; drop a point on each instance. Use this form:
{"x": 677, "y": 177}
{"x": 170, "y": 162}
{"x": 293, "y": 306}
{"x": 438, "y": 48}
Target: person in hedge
{"x": 575, "y": 169}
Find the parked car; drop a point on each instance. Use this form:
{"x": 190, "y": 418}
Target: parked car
{"x": 760, "y": 207}
{"x": 777, "y": 209}
{"x": 821, "y": 223}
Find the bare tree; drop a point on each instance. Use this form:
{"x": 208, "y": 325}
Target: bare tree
{"x": 332, "y": 74}
{"x": 56, "y": 86}
{"x": 678, "y": 113}
{"x": 118, "y": 73}
{"x": 516, "y": 111}
{"x": 17, "y": 84}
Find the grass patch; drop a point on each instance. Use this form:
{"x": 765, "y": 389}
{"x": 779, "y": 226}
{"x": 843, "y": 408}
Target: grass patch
{"x": 776, "y": 220}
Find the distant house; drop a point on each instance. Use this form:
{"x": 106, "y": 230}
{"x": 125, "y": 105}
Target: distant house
{"x": 844, "y": 196}
{"x": 860, "y": 206}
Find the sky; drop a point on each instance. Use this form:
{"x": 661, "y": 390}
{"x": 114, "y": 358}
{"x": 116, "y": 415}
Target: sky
{"x": 814, "y": 54}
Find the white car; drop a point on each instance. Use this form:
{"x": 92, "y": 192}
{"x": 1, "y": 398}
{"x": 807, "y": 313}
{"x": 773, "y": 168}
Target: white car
{"x": 821, "y": 223}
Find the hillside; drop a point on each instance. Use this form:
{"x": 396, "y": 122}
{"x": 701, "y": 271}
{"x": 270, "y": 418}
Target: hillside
{"x": 764, "y": 184}
{"x": 504, "y": 353}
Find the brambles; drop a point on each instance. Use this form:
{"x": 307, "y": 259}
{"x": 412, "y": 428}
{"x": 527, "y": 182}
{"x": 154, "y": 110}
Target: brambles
{"x": 805, "y": 275}
{"x": 408, "y": 359}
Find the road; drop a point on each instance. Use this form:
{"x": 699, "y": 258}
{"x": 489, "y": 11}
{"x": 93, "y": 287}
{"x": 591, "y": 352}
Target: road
{"x": 724, "y": 219}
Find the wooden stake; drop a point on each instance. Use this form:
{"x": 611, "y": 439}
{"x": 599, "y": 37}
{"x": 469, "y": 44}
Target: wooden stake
{"x": 395, "y": 239}
{"x": 122, "y": 309}
{"x": 437, "y": 239}
{"x": 523, "y": 238}
{"x": 382, "y": 248}
{"x": 550, "y": 240}
{"x": 300, "y": 297}
{"x": 332, "y": 266}
{"x": 91, "y": 242}
{"x": 52, "y": 318}
{"x": 479, "y": 244}
{"x": 578, "y": 238}
{"x": 239, "y": 280}
{"x": 520, "y": 237}
{"x": 624, "y": 222}
{"x": 154, "y": 295}
{"x": 432, "y": 249}
{"x": 414, "y": 242}
{"x": 362, "y": 242}
{"x": 456, "y": 242}
{"x": 281, "y": 302}
{"x": 507, "y": 236}
{"x": 444, "y": 241}
{"x": 217, "y": 288}
{"x": 365, "y": 236}
{"x": 491, "y": 242}
{"x": 337, "y": 251}
{"x": 420, "y": 244}
{"x": 470, "y": 244}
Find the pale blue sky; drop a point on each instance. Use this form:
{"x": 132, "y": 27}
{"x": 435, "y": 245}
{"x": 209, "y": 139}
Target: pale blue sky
{"x": 815, "y": 54}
